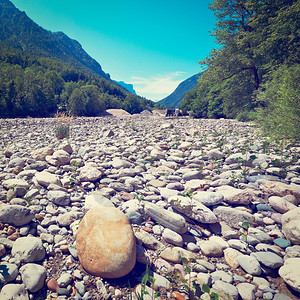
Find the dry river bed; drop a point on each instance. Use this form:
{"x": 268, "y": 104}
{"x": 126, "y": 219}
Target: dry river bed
{"x": 209, "y": 204}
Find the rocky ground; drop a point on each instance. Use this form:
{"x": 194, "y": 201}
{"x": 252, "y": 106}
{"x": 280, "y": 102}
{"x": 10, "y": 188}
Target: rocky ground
{"x": 207, "y": 203}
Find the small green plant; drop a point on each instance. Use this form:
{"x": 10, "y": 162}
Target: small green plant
{"x": 62, "y": 130}
{"x": 74, "y": 173}
{"x": 191, "y": 286}
{"x": 246, "y": 226}
{"x": 213, "y": 295}
{"x": 145, "y": 280}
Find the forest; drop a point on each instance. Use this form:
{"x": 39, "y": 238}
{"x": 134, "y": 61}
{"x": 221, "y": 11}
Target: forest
{"x": 255, "y": 73}
{"x": 38, "y": 87}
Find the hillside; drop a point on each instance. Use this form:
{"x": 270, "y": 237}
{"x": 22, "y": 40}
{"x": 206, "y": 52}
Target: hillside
{"x": 41, "y": 72}
{"x": 19, "y": 31}
{"x": 174, "y": 99}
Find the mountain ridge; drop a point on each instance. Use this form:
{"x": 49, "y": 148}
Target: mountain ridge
{"x": 19, "y": 31}
{"x": 175, "y": 98}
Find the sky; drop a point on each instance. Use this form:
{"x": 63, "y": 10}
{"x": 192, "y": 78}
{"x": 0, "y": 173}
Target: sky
{"x": 152, "y": 44}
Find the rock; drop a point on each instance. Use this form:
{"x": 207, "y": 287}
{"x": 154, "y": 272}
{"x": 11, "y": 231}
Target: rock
{"x": 96, "y": 198}
{"x": 281, "y": 189}
{"x": 290, "y": 273}
{"x": 250, "y": 264}
{"x": 211, "y": 248}
{"x": 269, "y": 259}
{"x": 259, "y": 235}
{"x": 8, "y": 272}
{"x": 89, "y": 173}
{"x": 280, "y": 204}
{"x": 33, "y": 276}
{"x": 66, "y": 219}
{"x": 291, "y": 225}
{"x": 40, "y": 154}
{"x": 192, "y": 209}
{"x": 19, "y": 186}
{"x": 226, "y": 288}
{"x": 171, "y": 254}
{"x": 119, "y": 163}
{"x": 64, "y": 279}
{"x": 208, "y": 198}
{"x": 231, "y": 216}
{"x": 28, "y": 249}
{"x": 246, "y": 290}
{"x": 105, "y": 243}
{"x": 59, "y": 197}
{"x": 58, "y": 158}
{"x": 14, "y": 292}
{"x": 221, "y": 275}
{"x": 166, "y": 218}
{"x": 282, "y": 243}
{"x": 45, "y": 178}
{"x": 190, "y": 175}
{"x": 148, "y": 240}
{"x": 172, "y": 237}
{"x": 235, "y": 196}
{"x": 16, "y": 215}
{"x": 52, "y": 285}
{"x": 230, "y": 256}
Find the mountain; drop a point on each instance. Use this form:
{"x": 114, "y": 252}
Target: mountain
{"x": 127, "y": 86}
{"x": 174, "y": 99}
{"x": 17, "y": 30}
{"x": 42, "y": 72}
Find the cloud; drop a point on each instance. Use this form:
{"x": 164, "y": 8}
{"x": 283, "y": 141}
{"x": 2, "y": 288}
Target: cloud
{"x": 158, "y": 86}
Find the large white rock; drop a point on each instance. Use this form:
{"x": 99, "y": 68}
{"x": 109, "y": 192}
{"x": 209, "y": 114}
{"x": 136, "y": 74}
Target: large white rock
{"x": 89, "y": 173}
{"x": 14, "y": 292}
{"x": 59, "y": 197}
{"x": 58, "y": 158}
{"x": 18, "y": 185}
{"x": 105, "y": 243}
{"x": 33, "y": 276}
{"x": 291, "y": 225}
{"x": 192, "y": 209}
{"x": 40, "y": 154}
{"x": 166, "y": 218}
{"x": 28, "y": 249}
{"x": 45, "y": 178}
{"x": 290, "y": 273}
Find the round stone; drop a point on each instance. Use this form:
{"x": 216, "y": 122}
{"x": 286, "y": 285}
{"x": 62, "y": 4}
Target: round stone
{"x": 105, "y": 243}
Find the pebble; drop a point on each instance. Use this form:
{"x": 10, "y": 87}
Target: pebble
{"x": 152, "y": 174}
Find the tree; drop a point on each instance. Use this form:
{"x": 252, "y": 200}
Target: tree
{"x": 279, "y": 100}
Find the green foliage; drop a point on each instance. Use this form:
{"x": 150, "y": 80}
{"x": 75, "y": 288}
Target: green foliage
{"x": 279, "y": 100}
{"x": 256, "y": 38}
{"x": 36, "y": 86}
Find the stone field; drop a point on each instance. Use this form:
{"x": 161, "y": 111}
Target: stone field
{"x": 200, "y": 207}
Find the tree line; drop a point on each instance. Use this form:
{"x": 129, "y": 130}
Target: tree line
{"x": 254, "y": 74}
{"x": 38, "y": 87}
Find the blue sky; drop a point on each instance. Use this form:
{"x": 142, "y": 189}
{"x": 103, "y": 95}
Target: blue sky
{"x": 152, "y": 44}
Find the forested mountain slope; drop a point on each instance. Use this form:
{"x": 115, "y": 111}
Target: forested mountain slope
{"x": 174, "y": 99}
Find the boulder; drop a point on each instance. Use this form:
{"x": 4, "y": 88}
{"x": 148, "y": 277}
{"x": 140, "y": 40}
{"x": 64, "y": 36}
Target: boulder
{"x": 290, "y": 273}
{"x": 281, "y": 189}
{"x": 58, "y": 158}
{"x": 89, "y": 173}
{"x": 40, "y": 154}
{"x": 291, "y": 225}
{"x": 33, "y": 276}
{"x": 105, "y": 243}
{"x": 192, "y": 209}
{"x": 28, "y": 249}
{"x": 45, "y": 178}
{"x": 14, "y": 292}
